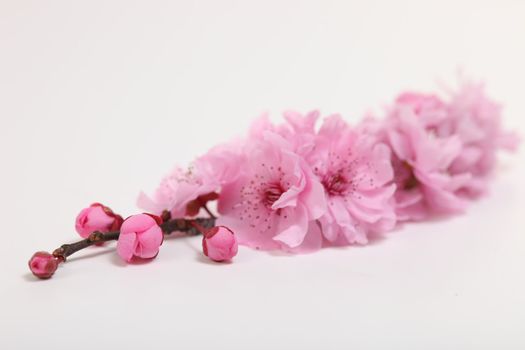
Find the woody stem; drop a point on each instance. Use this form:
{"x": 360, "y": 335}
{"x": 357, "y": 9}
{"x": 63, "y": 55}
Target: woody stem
{"x": 205, "y": 207}
{"x": 168, "y": 227}
{"x": 198, "y": 227}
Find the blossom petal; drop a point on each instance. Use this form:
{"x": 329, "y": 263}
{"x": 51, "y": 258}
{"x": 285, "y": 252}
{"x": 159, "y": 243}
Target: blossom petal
{"x": 314, "y": 199}
{"x": 149, "y": 242}
{"x": 255, "y": 237}
{"x": 126, "y": 245}
{"x": 293, "y": 226}
{"x": 147, "y": 203}
{"x": 137, "y": 223}
{"x": 313, "y": 240}
{"x": 400, "y": 145}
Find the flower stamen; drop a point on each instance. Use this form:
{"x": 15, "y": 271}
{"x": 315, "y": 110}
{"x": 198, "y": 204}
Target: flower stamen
{"x": 335, "y": 184}
{"x": 271, "y": 194}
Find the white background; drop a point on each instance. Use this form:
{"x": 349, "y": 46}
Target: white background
{"x": 99, "y": 99}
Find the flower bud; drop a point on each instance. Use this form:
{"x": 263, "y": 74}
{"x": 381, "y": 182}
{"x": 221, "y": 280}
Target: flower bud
{"x": 219, "y": 244}
{"x": 97, "y": 217}
{"x": 43, "y": 265}
{"x": 140, "y": 236}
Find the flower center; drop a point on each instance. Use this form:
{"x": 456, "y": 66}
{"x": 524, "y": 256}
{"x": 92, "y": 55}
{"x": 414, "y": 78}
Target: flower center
{"x": 406, "y": 178}
{"x": 335, "y": 184}
{"x": 411, "y": 182}
{"x": 271, "y": 194}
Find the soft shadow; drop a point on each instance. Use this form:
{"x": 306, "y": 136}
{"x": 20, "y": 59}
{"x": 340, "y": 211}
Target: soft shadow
{"x": 188, "y": 244}
{"x": 374, "y": 239}
{"x": 434, "y": 218}
{"x": 92, "y": 255}
{"x": 279, "y": 253}
{"x": 205, "y": 260}
{"x": 29, "y": 277}
{"x": 117, "y": 260}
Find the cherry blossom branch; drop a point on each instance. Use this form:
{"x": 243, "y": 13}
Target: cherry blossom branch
{"x": 66, "y": 250}
{"x": 168, "y": 227}
{"x": 198, "y": 227}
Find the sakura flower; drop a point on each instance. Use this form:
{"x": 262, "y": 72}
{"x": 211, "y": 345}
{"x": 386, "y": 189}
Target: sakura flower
{"x": 270, "y": 204}
{"x": 356, "y": 174}
{"x": 422, "y": 162}
{"x": 182, "y": 193}
{"x": 477, "y": 121}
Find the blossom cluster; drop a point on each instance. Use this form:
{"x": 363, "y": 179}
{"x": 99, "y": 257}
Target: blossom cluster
{"x": 299, "y": 186}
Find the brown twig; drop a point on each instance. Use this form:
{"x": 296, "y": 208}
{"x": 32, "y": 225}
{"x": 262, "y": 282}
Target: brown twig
{"x": 168, "y": 227}
{"x": 205, "y": 207}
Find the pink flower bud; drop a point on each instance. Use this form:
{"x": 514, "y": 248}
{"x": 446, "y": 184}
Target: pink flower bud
{"x": 43, "y": 265}
{"x": 97, "y": 217}
{"x": 219, "y": 244}
{"x": 140, "y": 236}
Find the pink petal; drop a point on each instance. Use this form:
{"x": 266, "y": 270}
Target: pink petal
{"x": 415, "y": 212}
{"x": 137, "y": 223}
{"x": 313, "y": 240}
{"x": 314, "y": 199}
{"x": 337, "y": 208}
{"x": 328, "y": 227}
{"x": 400, "y": 145}
{"x": 354, "y": 235}
{"x": 146, "y": 203}
{"x": 509, "y": 141}
{"x": 99, "y": 218}
{"x": 249, "y": 236}
{"x": 367, "y": 215}
{"x": 289, "y": 198}
{"x": 149, "y": 242}
{"x": 443, "y": 201}
{"x": 300, "y": 123}
{"x": 259, "y": 125}
{"x": 450, "y": 149}
{"x": 467, "y": 159}
{"x": 293, "y": 226}
{"x": 332, "y": 125}
{"x": 126, "y": 244}
{"x": 378, "y": 170}
{"x": 408, "y": 198}
{"x": 230, "y": 195}
{"x": 375, "y": 199}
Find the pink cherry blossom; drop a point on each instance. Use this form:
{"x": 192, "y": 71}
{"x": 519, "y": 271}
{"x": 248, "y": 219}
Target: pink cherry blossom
{"x": 476, "y": 120}
{"x": 356, "y": 173}
{"x": 43, "y": 265}
{"x": 178, "y": 190}
{"x": 140, "y": 236}
{"x": 422, "y": 162}
{"x": 96, "y": 217}
{"x": 219, "y": 244}
{"x": 298, "y": 129}
{"x": 274, "y": 198}
{"x": 221, "y": 164}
